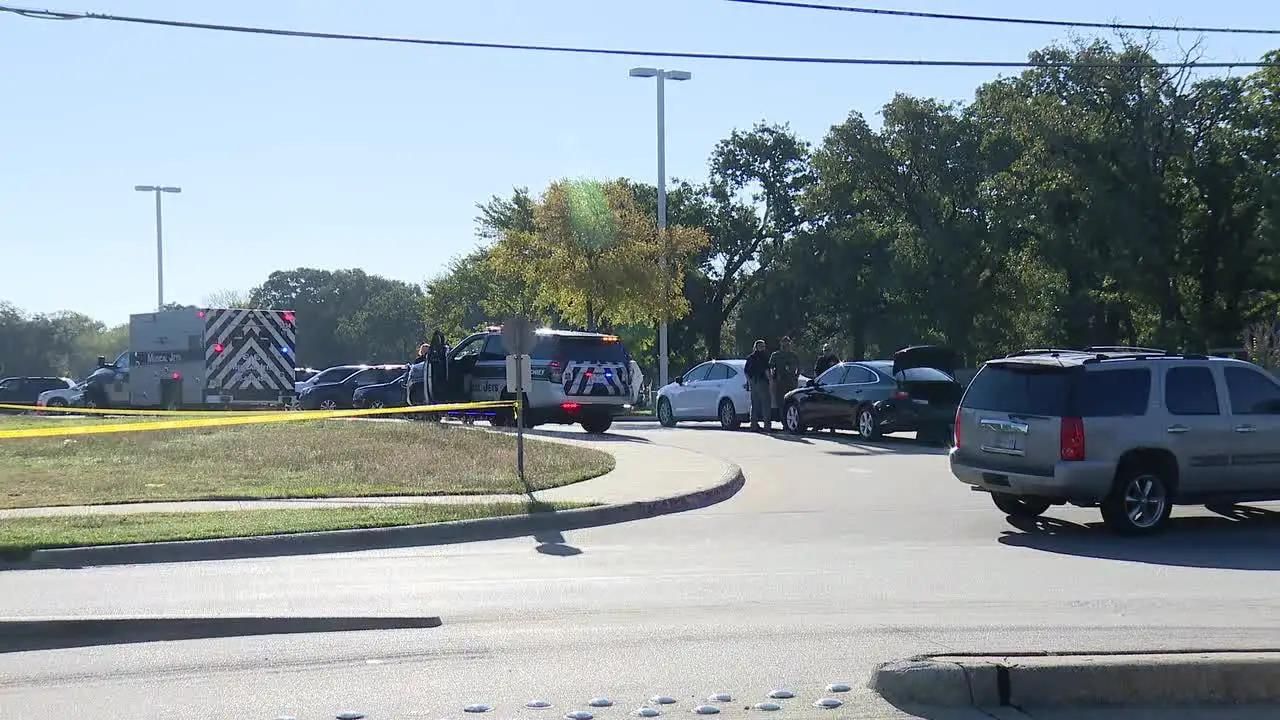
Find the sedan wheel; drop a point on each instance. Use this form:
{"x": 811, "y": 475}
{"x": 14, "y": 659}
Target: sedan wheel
{"x": 377, "y": 404}
{"x": 867, "y": 426}
{"x": 791, "y": 419}
{"x": 728, "y": 415}
{"x": 665, "y": 416}
{"x": 57, "y": 402}
{"x": 328, "y": 404}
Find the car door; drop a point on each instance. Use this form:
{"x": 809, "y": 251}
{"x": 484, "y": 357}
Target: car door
{"x": 1198, "y": 430}
{"x": 462, "y": 365}
{"x": 118, "y": 390}
{"x": 705, "y": 396}
{"x": 682, "y": 396}
{"x": 824, "y": 397}
{"x": 862, "y": 385}
{"x": 1254, "y": 398}
{"x": 10, "y": 390}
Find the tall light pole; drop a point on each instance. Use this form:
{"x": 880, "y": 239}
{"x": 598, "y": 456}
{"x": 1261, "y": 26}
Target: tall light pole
{"x": 157, "y": 189}
{"x": 661, "y": 75}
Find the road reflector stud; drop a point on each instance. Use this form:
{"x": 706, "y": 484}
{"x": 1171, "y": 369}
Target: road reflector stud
{"x": 662, "y": 700}
{"x": 600, "y": 702}
{"x": 767, "y": 706}
{"x": 537, "y": 704}
{"x": 578, "y": 715}
{"x": 478, "y": 708}
{"x": 720, "y": 697}
{"x": 647, "y": 712}
{"x": 837, "y": 688}
{"x": 706, "y": 710}
{"x": 827, "y": 703}
{"x": 781, "y": 694}
{"x": 349, "y": 715}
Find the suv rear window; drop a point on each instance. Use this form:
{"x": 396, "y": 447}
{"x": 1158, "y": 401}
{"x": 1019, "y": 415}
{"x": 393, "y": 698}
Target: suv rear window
{"x": 1020, "y": 390}
{"x": 1113, "y": 393}
{"x": 551, "y": 347}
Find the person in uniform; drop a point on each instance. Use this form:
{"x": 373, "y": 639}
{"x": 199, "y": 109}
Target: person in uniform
{"x": 784, "y": 369}
{"x": 825, "y": 361}
{"x": 757, "y": 372}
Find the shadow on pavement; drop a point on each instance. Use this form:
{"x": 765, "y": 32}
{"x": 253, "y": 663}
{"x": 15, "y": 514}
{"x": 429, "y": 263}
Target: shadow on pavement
{"x": 1239, "y": 538}
{"x": 552, "y": 543}
{"x": 608, "y": 437}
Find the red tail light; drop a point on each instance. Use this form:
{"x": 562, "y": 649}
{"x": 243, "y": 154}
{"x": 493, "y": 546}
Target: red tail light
{"x": 555, "y": 367}
{"x": 217, "y": 347}
{"x": 570, "y": 407}
{"x": 901, "y": 395}
{"x": 956, "y": 428}
{"x": 1072, "y": 439}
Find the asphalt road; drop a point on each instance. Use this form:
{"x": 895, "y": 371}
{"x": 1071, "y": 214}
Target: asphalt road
{"x": 836, "y": 555}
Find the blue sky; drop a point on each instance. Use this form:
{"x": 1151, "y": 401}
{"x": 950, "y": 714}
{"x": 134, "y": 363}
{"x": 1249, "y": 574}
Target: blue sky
{"x": 295, "y": 152}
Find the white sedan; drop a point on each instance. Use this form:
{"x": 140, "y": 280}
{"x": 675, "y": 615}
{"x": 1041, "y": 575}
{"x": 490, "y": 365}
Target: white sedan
{"x": 714, "y": 390}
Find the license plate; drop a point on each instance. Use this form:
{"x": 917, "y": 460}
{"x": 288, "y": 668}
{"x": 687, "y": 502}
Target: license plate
{"x": 1005, "y": 441}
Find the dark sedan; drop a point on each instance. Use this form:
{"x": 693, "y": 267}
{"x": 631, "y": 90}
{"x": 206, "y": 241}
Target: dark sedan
{"x": 913, "y": 392}
{"x": 338, "y": 395}
{"x": 387, "y": 394}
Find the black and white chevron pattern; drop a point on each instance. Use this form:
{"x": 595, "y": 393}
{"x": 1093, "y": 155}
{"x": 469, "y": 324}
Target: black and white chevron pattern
{"x": 257, "y": 350}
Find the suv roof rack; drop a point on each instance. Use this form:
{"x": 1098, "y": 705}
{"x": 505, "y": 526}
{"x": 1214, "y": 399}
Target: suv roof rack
{"x": 1147, "y": 356}
{"x": 1126, "y": 349}
{"x": 1045, "y": 351}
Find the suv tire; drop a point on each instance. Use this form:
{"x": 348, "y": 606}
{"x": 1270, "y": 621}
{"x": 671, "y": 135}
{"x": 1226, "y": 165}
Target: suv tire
{"x": 597, "y": 423}
{"x": 865, "y": 423}
{"x": 1018, "y": 506}
{"x": 665, "y": 416}
{"x": 1140, "y": 502}
{"x": 728, "y": 415}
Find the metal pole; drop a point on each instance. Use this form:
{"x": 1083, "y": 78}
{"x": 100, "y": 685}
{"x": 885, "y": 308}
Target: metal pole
{"x": 520, "y": 417}
{"x": 662, "y": 229}
{"x": 159, "y": 256}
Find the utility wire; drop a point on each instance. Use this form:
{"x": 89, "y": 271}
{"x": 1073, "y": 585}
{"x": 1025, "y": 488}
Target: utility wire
{"x": 1008, "y": 20}
{"x": 61, "y": 15}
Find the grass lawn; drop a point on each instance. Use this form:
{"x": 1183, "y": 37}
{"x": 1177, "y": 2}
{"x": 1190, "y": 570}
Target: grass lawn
{"x": 19, "y": 536}
{"x": 322, "y": 458}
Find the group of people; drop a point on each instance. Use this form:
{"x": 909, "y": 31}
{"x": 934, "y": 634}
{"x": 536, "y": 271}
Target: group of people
{"x": 771, "y": 376}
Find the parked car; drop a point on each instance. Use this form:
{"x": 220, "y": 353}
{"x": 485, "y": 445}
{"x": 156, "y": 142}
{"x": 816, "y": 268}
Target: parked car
{"x": 713, "y": 390}
{"x": 59, "y": 397}
{"x": 912, "y": 392}
{"x": 338, "y": 395}
{"x": 26, "y": 390}
{"x": 1132, "y": 432}
{"x": 380, "y": 395}
{"x": 337, "y": 373}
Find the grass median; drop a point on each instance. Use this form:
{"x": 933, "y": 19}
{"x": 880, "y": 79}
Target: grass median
{"x": 305, "y": 459}
{"x": 19, "y": 536}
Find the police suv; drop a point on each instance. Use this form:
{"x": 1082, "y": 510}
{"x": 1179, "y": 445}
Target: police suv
{"x": 578, "y": 377}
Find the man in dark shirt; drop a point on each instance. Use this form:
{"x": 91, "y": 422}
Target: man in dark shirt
{"x": 825, "y": 361}
{"x": 784, "y": 366}
{"x": 757, "y": 372}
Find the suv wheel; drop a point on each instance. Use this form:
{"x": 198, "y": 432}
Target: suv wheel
{"x": 1139, "y": 503}
{"x": 377, "y": 404}
{"x": 1017, "y": 506}
{"x": 791, "y": 419}
{"x": 596, "y": 424}
{"x": 865, "y": 421}
{"x": 665, "y": 416}
{"x": 328, "y": 404}
{"x": 728, "y": 415}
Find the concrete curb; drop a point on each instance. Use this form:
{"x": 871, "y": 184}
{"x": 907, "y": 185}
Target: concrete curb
{"x": 727, "y": 486}
{"x": 1167, "y": 678}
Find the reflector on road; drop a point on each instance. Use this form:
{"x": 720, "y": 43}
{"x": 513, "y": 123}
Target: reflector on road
{"x": 838, "y": 687}
{"x": 706, "y": 710}
{"x": 600, "y": 702}
{"x": 578, "y": 715}
{"x": 349, "y": 715}
{"x": 767, "y": 706}
{"x": 720, "y": 697}
{"x": 662, "y": 700}
{"x": 827, "y": 703}
{"x": 478, "y": 708}
{"x": 537, "y": 704}
{"x": 646, "y": 712}
{"x": 782, "y": 694}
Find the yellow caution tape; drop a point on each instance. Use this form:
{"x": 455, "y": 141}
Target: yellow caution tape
{"x": 236, "y": 418}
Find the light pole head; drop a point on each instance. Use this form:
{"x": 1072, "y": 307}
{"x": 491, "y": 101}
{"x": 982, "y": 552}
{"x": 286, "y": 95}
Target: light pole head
{"x": 677, "y": 74}
{"x": 145, "y": 188}
{"x": 643, "y": 72}
{"x": 171, "y": 189}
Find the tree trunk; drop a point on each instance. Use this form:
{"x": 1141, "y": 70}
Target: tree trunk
{"x": 591, "y": 316}
{"x": 712, "y": 332}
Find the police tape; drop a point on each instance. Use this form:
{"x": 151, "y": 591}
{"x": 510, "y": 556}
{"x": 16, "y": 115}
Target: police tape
{"x": 228, "y": 419}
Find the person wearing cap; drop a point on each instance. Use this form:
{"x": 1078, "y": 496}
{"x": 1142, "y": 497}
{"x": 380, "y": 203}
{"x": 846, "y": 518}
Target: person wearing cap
{"x": 757, "y": 372}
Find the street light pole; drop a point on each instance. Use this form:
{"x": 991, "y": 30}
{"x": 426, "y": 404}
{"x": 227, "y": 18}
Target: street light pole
{"x": 157, "y": 189}
{"x": 661, "y": 75}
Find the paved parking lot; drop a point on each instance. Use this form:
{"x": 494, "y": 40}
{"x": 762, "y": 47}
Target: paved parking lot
{"x": 837, "y": 554}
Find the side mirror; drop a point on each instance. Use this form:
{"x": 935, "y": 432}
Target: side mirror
{"x": 102, "y": 361}
{"x": 679, "y": 379}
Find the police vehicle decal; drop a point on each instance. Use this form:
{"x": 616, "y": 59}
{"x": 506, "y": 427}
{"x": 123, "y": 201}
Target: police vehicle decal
{"x": 595, "y": 379}
{"x": 249, "y": 349}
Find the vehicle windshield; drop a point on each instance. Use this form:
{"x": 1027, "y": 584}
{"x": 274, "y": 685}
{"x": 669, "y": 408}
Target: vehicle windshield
{"x": 924, "y": 374}
{"x": 551, "y": 347}
{"x": 336, "y": 374}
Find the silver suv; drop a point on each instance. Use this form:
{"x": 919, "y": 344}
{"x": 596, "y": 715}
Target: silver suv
{"x": 1130, "y": 430}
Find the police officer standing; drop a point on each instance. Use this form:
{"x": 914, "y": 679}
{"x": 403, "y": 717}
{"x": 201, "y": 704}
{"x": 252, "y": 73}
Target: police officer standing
{"x": 757, "y": 372}
{"x": 825, "y": 361}
{"x": 784, "y": 366}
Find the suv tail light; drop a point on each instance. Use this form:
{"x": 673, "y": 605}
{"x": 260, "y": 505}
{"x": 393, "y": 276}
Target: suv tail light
{"x": 956, "y": 429}
{"x": 1071, "y": 442}
{"x": 901, "y": 395}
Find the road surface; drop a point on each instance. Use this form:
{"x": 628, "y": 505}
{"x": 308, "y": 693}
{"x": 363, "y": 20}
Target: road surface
{"x": 836, "y": 555}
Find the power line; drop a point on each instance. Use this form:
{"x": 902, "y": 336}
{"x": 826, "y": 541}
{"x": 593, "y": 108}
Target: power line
{"x": 1008, "y": 20}
{"x": 61, "y": 15}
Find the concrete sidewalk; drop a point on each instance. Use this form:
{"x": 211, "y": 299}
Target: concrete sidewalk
{"x": 642, "y": 472}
